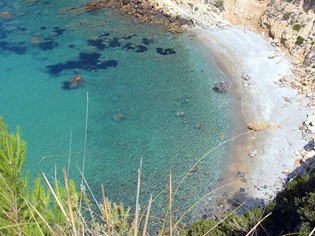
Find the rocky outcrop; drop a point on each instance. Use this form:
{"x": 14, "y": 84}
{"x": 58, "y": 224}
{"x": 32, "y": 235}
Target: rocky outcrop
{"x": 261, "y": 125}
{"x": 290, "y": 25}
{"x": 222, "y": 87}
{"x": 144, "y": 11}
{"x": 245, "y": 12}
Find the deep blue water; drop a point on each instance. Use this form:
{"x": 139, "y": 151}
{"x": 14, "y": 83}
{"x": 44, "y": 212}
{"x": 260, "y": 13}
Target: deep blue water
{"x": 150, "y": 97}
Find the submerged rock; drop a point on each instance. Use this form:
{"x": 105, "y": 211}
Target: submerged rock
{"x": 222, "y": 87}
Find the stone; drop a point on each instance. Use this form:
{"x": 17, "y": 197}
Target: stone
{"x": 311, "y": 129}
{"x": 310, "y": 121}
{"x": 198, "y": 126}
{"x": 260, "y": 125}
{"x": 308, "y": 155}
{"x": 246, "y": 77}
{"x": 180, "y": 114}
{"x": 244, "y": 180}
{"x": 288, "y": 100}
{"x": 286, "y": 171}
{"x": 252, "y": 153}
{"x": 242, "y": 190}
{"x": 240, "y": 174}
{"x": 310, "y": 145}
{"x": 119, "y": 116}
{"x": 222, "y": 87}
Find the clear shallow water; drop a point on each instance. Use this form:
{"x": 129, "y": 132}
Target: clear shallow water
{"x": 138, "y": 77}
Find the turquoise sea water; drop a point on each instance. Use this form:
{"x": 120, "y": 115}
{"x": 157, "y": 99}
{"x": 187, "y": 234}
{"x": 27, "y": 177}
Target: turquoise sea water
{"x": 150, "y": 97}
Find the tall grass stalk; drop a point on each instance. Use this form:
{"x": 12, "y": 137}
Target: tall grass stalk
{"x": 74, "y": 231}
{"x": 32, "y": 215}
{"x": 70, "y": 147}
{"x": 82, "y": 189}
{"x": 170, "y": 206}
{"x": 90, "y": 190}
{"x": 137, "y": 199}
{"x": 199, "y": 200}
{"x": 222, "y": 220}
{"x": 105, "y": 205}
{"x": 258, "y": 223}
{"x": 312, "y": 232}
{"x": 55, "y": 155}
{"x": 56, "y": 198}
{"x": 147, "y": 216}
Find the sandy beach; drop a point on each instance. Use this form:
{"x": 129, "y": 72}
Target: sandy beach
{"x": 263, "y": 97}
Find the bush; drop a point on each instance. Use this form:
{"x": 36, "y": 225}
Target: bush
{"x": 39, "y": 210}
{"x": 299, "y": 40}
{"x": 286, "y": 16}
{"x": 293, "y": 208}
{"x": 297, "y": 27}
{"x": 231, "y": 224}
{"x": 219, "y": 3}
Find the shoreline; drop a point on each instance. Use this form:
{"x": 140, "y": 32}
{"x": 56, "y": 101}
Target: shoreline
{"x": 237, "y": 51}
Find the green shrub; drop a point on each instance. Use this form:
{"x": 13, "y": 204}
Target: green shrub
{"x": 299, "y": 40}
{"x": 219, "y": 3}
{"x": 297, "y": 27}
{"x": 286, "y": 16}
{"x": 292, "y": 208}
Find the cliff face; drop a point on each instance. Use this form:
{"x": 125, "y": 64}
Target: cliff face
{"x": 245, "y": 12}
{"x": 291, "y": 26}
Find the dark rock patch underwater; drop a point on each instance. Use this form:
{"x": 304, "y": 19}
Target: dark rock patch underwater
{"x": 86, "y": 61}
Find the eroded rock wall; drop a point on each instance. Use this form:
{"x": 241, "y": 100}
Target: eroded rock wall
{"x": 289, "y": 24}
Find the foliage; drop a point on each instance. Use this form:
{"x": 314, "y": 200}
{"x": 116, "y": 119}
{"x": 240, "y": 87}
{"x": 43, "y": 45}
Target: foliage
{"x": 292, "y": 208}
{"x": 219, "y": 4}
{"x": 297, "y": 27}
{"x": 231, "y": 225}
{"x": 299, "y": 40}
{"x": 25, "y": 210}
{"x": 12, "y": 206}
{"x": 307, "y": 212}
{"x": 286, "y": 16}
{"x": 53, "y": 211}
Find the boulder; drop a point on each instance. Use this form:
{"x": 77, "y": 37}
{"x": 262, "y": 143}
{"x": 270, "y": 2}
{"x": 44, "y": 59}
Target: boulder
{"x": 310, "y": 121}
{"x": 222, "y": 87}
{"x": 246, "y": 77}
{"x": 310, "y": 145}
{"x": 261, "y": 125}
{"x": 311, "y": 129}
{"x": 161, "y": 19}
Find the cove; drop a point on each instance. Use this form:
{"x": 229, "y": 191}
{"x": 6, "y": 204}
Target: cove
{"x": 150, "y": 98}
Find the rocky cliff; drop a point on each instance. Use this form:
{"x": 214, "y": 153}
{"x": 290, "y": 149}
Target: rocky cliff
{"x": 290, "y": 25}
